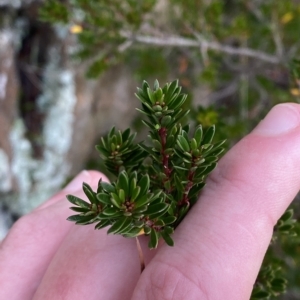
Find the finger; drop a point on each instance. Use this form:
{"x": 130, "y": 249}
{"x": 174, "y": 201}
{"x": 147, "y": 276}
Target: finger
{"x": 220, "y": 245}
{"x": 31, "y": 243}
{"x": 93, "y": 265}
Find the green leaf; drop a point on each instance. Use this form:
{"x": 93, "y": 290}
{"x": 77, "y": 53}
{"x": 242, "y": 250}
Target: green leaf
{"x": 116, "y": 201}
{"x": 135, "y": 193}
{"x": 151, "y": 95}
{"x": 214, "y": 152}
{"x": 171, "y": 91}
{"x": 178, "y": 102}
{"x": 89, "y": 193}
{"x": 140, "y": 209}
{"x": 127, "y": 226}
{"x": 157, "y": 145}
{"x": 165, "y": 121}
{"x": 198, "y": 135}
{"x": 104, "y": 198}
{"x": 154, "y": 196}
{"x": 108, "y": 187}
{"x": 195, "y": 190}
{"x": 119, "y": 225}
{"x": 287, "y": 215}
{"x": 102, "y": 216}
{"x": 133, "y": 232}
{"x": 122, "y": 195}
{"x": 103, "y": 151}
{"x": 142, "y": 201}
{"x": 209, "y": 134}
{"x": 169, "y": 220}
{"x": 123, "y": 182}
{"x": 79, "y": 209}
{"x": 285, "y": 227}
{"x": 126, "y": 134}
{"x": 193, "y": 143}
{"x": 99, "y": 188}
{"x": 102, "y": 224}
{"x": 74, "y": 218}
{"x": 169, "y": 230}
{"x": 153, "y": 239}
{"x": 83, "y": 220}
{"x": 110, "y": 211}
{"x": 133, "y": 182}
{"x": 147, "y": 229}
{"x": 167, "y": 239}
{"x": 77, "y": 201}
{"x": 119, "y": 138}
{"x": 183, "y": 143}
{"x": 260, "y": 295}
{"x": 145, "y": 86}
{"x": 144, "y": 184}
{"x": 157, "y": 208}
{"x": 156, "y": 85}
{"x": 159, "y": 95}
{"x": 159, "y": 223}
{"x": 209, "y": 169}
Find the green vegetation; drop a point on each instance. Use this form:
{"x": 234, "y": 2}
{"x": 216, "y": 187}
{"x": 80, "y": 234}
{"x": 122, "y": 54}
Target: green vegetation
{"x": 243, "y": 54}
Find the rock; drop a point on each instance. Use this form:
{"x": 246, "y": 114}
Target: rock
{"x": 50, "y": 115}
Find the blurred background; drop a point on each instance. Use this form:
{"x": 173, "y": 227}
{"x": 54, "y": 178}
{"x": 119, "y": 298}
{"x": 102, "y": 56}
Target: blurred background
{"x": 69, "y": 70}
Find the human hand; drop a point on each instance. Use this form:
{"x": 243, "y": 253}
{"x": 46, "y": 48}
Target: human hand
{"x": 219, "y": 246}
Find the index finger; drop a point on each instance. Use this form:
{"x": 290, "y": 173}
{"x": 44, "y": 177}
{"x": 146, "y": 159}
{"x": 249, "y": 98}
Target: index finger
{"x": 34, "y": 239}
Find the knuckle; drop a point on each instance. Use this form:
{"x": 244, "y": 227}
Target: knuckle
{"x": 169, "y": 282}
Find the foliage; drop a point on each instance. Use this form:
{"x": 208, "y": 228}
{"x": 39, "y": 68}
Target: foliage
{"x": 99, "y": 25}
{"x": 271, "y": 281}
{"x": 242, "y": 51}
{"x": 156, "y": 184}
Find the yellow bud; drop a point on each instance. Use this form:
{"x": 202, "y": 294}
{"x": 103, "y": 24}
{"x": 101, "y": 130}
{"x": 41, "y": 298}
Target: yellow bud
{"x": 287, "y": 17}
{"x": 142, "y": 232}
{"x": 295, "y": 92}
{"x": 75, "y": 29}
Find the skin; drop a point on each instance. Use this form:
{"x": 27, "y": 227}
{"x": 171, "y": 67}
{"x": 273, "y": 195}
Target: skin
{"x": 219, "y": 246}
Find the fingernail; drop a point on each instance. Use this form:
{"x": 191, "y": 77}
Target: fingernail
{"x": 281, "y": 119}
{"x": 76, "y": 183}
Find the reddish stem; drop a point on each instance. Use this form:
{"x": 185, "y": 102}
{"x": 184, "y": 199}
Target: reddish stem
{"x": 189, "y": 185}
{"x": 165, "y": 157}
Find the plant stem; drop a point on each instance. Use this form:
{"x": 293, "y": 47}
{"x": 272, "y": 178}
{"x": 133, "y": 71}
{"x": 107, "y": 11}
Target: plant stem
{"x": 189, "y": 185}
{"x": 141, "y": 255}
{"x": 165, "y": 157}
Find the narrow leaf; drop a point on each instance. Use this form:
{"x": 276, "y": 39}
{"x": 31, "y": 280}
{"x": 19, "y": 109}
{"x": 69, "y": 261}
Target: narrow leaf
{"x": 110, "y": 211}
{"x": 142, "y": 201}
{"x": 89, "y": 193}
{"x": 167, "y": 239}
{"x": 104, "y": 198}
{"x": 198, "y": 135}
{"x": 156, "y": 208}
{"x": 183, "y": 143}
{"x": 107, "y": 187}
{"x": 153, "y": 239}
{"x": 209, "y": 134}
{"x": 117, "y": 225}
{"x": 77, "y": 201}
{"x": 144, "y": 184}
{"x": 135, "y": 193}
{"x": 123, "y": 182}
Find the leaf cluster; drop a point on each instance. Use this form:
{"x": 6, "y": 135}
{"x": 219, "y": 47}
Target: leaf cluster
{"x": 271, "y": 281}
{"x": 100, "y": 24}
{"x": 157, "y": 181}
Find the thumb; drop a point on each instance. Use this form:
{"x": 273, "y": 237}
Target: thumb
{"x": 220, "y": 245}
